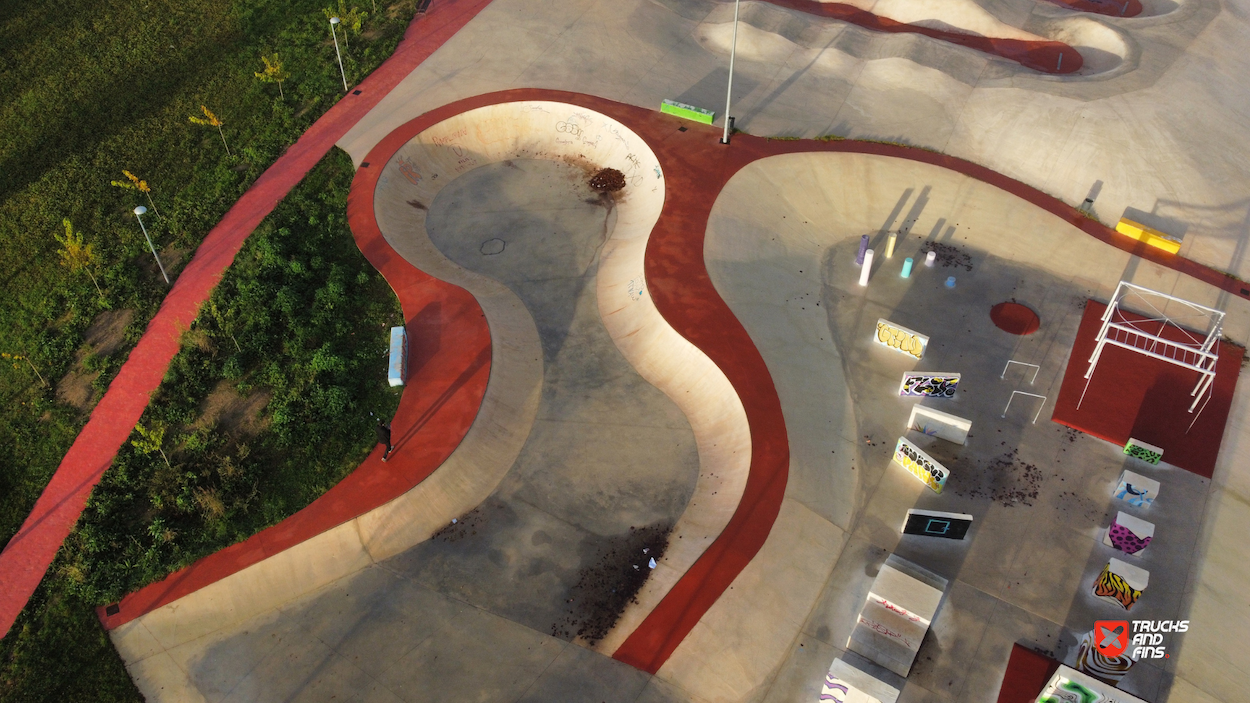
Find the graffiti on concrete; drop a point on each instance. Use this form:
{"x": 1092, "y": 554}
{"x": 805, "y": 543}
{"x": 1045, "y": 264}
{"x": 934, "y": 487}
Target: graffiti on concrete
{"x": 901, "y": 339}
{"x": 929, "y": 384}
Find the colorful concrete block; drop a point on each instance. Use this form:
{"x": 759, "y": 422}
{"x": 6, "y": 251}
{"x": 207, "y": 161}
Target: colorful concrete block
{"x": 397, "y": 369}
{"x": 1129, "y": 534}
{"x": 1102, "y": 667}
{"x": 1151, "y": 236}
{"x": 1121, "y": 583}
{"x": 929, "y": 384}
{"x": 690, "y": 112}
{"x": 1071, "y": 686}
{"x": 1148, "y": 453}
{"x": 846, "y": 684}
{"x": 936, "y": 423}
{"x": 901, "y": 339}
{"x": 1137, "y": 490}
{"x": 901, "y": 605}
{"x": 920, "y": 465}
{"x": 932, "y": 523}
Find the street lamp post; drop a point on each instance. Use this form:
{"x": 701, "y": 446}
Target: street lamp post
{"x": 334, "y": 21}
{"x": 139, "y": 212}
{"x": 733, "y": 47}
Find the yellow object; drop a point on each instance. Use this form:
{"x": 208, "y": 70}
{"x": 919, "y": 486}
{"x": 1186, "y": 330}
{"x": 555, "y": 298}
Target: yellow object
{"x": 1153, "y": 237}
{"x": 901, "y": 339}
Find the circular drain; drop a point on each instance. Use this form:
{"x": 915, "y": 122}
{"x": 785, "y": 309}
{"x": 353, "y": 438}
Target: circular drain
{"x": 493, "y": 246}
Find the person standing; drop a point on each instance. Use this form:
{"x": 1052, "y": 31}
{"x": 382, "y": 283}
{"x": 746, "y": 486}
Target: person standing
{"x": 384, "y": 437}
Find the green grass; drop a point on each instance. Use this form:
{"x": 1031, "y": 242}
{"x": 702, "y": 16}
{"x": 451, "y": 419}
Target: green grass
{"x": 96, "y": 87}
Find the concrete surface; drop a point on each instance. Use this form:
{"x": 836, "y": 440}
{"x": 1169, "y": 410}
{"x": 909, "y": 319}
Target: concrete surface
{"x": 781, "y": 244}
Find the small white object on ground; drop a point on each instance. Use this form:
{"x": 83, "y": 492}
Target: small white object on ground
{"x": 651, "y": 563}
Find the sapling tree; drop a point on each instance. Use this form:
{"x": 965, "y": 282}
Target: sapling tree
{"x": 15, "y": 358}
{"x": 77, "y": 255}
{"x": 133, "y": 182}
{"x": 273, "y": 73}
{"x": 351, "y": 18}
{"x": 212, "y": 120}
{"x": 151, "y": 440}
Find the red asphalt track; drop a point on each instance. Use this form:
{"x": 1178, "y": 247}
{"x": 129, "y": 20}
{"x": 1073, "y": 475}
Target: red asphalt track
{"x": 696, "y": 168}
{"x": 29, "y": 553}
{"x": 1043, "y": 56}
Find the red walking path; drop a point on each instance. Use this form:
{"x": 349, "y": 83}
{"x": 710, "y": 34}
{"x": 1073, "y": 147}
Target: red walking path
{"x": 27, "y": 556}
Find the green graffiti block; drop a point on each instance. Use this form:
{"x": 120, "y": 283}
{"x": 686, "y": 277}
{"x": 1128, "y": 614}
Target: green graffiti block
{"x": 690, "y": 112}
{"x": 1146, "y": 452}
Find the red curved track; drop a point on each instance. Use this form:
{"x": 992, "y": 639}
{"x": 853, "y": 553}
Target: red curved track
{"x": 28, "y": 554}
{"x": 1110, "y": 8}
{"x": 1044, "y": 56}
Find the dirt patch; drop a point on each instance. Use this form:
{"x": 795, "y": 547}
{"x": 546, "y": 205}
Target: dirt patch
{"x": 104, "y": 336}
{"x": 108, "y": 331}
{"x": 463, "y": 526}
{"x": 949, "y": 255}
{"x": 1004, "y": 479}
{"x": 610, "y": 583}
{"x": 75, "y": 389}
{"x": 232, "y": 413}
{"x": 608, "y": 180}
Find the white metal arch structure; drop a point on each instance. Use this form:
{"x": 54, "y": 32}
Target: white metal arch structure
{"x": 1196, "y": 351}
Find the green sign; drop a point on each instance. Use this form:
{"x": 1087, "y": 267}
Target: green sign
{"x": 690, "y": 112}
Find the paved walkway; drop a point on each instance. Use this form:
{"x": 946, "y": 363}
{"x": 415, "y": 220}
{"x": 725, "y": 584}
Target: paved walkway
{"x": 27, "y": 556}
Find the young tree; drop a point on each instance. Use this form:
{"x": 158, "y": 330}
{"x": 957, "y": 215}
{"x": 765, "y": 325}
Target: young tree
{"x": 273, "y": 73}
{"x": 211, "y": 120}
{"x": 14, "y": 358}
{"x": 133, "y": 182}
{"x": 77, "y": 255}
{"x": 151, "y": 440}
{"x": 351, "y": 18}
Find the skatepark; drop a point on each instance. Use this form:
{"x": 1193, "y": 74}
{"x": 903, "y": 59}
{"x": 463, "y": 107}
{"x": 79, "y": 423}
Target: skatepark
{"x": 645, "y": 448}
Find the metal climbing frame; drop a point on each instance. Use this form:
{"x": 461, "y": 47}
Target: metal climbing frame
{"x": 1145, "y": 336}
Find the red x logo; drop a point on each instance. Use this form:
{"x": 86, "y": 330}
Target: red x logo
{"x": 1111, "y": 637}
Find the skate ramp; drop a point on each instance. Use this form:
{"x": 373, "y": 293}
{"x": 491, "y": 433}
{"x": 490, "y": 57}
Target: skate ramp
{"x": 422, "y": 167}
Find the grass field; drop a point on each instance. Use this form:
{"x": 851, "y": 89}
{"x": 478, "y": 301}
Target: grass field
{"x": 95, "y": 88}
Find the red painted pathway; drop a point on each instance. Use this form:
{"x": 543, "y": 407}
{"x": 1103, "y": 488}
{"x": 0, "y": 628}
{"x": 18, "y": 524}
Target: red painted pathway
{"x": 27, "y": 556}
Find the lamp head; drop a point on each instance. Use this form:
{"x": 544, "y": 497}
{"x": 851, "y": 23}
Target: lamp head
{"x": 334, "y": 20}
{"x": 141, "y": 210}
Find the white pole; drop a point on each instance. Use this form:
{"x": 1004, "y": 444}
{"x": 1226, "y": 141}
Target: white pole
{"x": 139, "y": 211}
{"x": 867, "y": 268}
{"x": 729, "y": 91}
{"x": 334, "y": 21}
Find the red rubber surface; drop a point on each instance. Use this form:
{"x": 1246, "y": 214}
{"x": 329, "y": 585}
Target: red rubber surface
{"x": 1027, "y": 674}
{"x": 1038, "y": 55}
{"x": 1133, "y": 395}
{"x": 29, "y": 553}
{"x": 1110, "y": 8}
{"x": 1014, "y": 318}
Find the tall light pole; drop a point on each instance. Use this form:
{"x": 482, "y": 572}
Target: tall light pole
{"x": 334, "y": 21}
{"x": 139, "y": 212}
{"x": 729, "y": 92}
